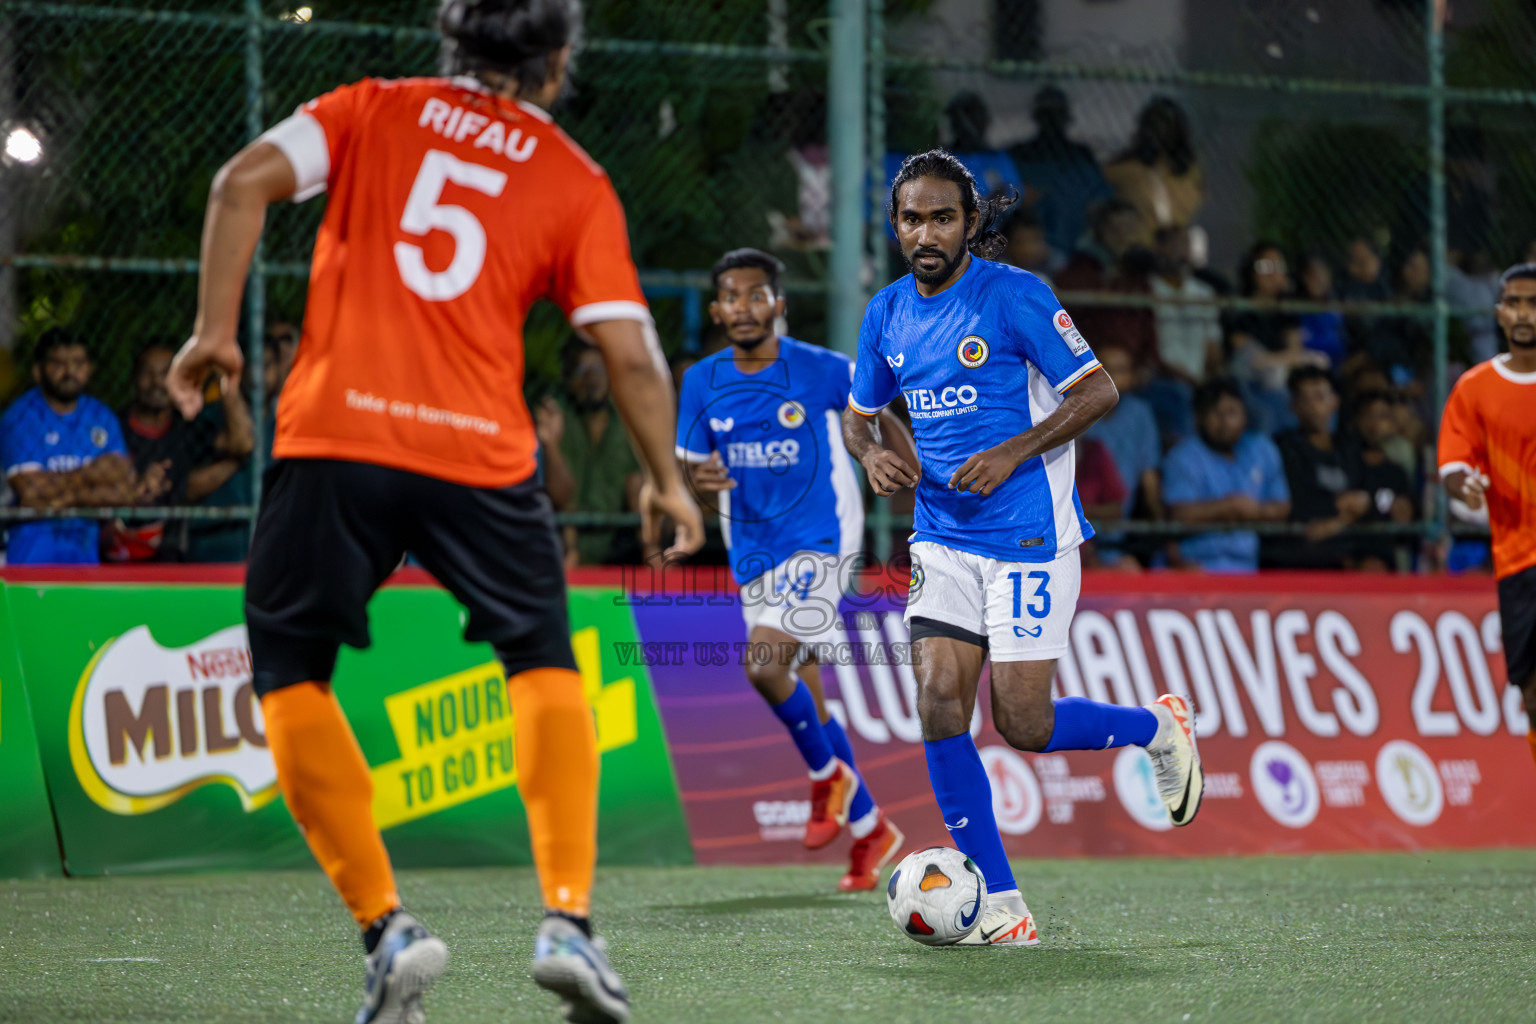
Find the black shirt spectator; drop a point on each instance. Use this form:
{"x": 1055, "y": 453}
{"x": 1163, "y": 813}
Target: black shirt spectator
{"x": 1323, "y": 494}
{"x": 1384, "y": 481}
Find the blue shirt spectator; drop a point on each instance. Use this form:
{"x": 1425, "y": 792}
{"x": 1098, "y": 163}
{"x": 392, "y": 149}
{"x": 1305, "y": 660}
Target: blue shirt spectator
{"x": 61, "y": 448}
{"x": 1130, "y": 430}
{"x": 1223, "y": 475}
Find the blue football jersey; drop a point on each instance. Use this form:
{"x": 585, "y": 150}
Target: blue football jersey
{"x": 982, "y": 361}
{"x": 35, "y": 438}
{"x": 779, "y": 432}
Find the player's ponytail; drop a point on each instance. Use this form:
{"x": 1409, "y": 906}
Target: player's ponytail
{"x": 988, "y": 243}
{"x": 513, "y": 38}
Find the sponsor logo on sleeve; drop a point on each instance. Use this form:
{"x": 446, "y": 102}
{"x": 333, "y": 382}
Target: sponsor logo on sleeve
{"x": 1069, "y": 332}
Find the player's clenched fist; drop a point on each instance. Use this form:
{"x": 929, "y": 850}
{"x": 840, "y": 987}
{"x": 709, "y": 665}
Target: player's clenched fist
{"x": 982, "y": 472}
{"x": 711, "y": 475}
{"x": 888, "y": 472}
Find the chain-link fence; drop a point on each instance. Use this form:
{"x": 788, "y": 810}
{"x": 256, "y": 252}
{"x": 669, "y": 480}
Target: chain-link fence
{"x": 1384, "y": 159}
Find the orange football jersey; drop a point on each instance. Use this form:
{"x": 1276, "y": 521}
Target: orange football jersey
{"x": 451, "y": 212}
{"x": 1489, "y": 427}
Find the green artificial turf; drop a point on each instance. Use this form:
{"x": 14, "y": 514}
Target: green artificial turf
{"x": 1391, "y": 937}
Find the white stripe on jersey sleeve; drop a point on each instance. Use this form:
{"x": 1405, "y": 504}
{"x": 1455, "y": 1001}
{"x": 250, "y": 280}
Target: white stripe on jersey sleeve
{"x": 691, "y": 456}
{"x": 301, "y": 139}
{"x": 618, "y": 309}
{"x": 856, "y": 407}
{"x": 1082, "y": 371}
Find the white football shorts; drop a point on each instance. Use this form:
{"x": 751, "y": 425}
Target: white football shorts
{"x": 799, "y": 596}
{"x": 1023, "y": 609}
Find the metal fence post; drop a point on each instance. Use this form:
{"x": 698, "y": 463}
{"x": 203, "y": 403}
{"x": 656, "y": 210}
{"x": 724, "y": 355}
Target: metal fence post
{"x": 881, "y": 517}
{"x": 1435, "y": 40}
{"x": 846, "y": 142}
{"x": 256, "y": 285}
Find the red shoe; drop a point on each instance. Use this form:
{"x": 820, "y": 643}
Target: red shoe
{"x": 830, "y": 799}
{"x": 870, "y": 854}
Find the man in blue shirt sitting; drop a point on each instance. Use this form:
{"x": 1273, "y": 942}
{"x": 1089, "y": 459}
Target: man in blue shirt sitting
{"x": 61, "y": 448}
{"x": 1224, "y": 475}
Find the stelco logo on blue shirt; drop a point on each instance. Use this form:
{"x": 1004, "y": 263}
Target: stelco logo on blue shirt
{"x": 763, "y": 455}
{"x": 927, "y": 404}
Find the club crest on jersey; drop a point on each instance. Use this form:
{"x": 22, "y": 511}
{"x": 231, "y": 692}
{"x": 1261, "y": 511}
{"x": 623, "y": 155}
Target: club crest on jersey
{"x": 99, "y": 436}
{"x": 1069, "y": 332}
{"x": 973, "y": 351}
{"x": 791, "y": 415}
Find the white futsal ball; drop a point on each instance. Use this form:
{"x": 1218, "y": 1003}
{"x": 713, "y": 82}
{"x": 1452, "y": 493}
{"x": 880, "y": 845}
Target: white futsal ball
{"x": 937, "y": 896}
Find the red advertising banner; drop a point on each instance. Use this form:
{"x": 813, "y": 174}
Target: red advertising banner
{"x": 1335, "y": 713}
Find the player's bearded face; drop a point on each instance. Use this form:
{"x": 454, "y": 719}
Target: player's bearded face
{"x": 1517, "y": 313}
{"x": 932, "y": 227}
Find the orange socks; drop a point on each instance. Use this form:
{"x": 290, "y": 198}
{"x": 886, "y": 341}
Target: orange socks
{"x": 325, "y": 780}
{"x": 555, "y": 746}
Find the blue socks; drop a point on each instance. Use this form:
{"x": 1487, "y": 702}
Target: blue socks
{"x": 798, "y": 714}
{"x": 965, "y": 796}
{"x": 863, "y": 803}
{"x": 1083, "y": 724}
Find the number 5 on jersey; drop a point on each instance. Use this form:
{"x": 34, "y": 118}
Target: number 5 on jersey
{"x": 424, "y": 214}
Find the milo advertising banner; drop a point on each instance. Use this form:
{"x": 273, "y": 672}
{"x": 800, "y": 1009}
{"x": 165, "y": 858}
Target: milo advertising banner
{"x": 153, "y": 747}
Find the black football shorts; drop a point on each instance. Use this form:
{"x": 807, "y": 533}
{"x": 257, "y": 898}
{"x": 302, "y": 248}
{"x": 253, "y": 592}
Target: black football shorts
{"x": 1517, "y": 610}
{"x": 330, "y": 531}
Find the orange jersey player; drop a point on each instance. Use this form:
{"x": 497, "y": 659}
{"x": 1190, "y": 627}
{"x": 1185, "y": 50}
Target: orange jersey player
{"x": 454, "y": 204}
{"x": 1488, "y": 456}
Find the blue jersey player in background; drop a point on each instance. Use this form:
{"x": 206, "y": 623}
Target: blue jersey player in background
{"x": 998, "y": 382}
{"x": 759, "y": 427}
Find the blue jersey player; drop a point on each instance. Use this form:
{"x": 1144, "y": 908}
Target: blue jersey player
{"x": 759, "y": 426}
{"x": 998, "y": 382}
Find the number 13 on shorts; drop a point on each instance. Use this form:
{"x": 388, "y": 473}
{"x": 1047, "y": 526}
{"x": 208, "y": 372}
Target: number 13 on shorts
{"x": 1039, "y": 609}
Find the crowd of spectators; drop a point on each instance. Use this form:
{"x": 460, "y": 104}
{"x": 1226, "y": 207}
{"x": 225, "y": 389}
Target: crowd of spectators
{"x": 1231, "y": 413}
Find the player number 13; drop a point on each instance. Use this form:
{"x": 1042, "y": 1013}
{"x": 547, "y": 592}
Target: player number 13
{"x": 1040, "y": 610}
{"x": 424, "y": 214}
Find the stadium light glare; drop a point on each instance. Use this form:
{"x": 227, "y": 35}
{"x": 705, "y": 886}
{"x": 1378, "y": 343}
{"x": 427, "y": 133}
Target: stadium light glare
{"x": 23, "y": 146}
{"x": 300, "y": 15}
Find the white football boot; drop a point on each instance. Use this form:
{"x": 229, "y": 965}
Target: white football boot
{"x": 1175, "y": 759}
{"x": 1006, "y": 922}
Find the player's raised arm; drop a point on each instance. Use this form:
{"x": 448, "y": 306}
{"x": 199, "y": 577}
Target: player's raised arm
{"x": 252, "y": 180}
{"x": 642, "y": 392}
{"x": 1081, "y": 407}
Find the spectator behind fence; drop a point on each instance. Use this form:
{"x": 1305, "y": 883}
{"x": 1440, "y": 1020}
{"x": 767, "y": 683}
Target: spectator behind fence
{"x": 1158, "y": 173}
{"x": 1188, "y": 336}
{"x": 195, "y": 458}
{"x": 1364, "y": 444}
{"x": 1129, "y": 432}
{"x": 1062, "y": 178}
{"x": 1105, "y": 262}
{"x": 969, "y": 120}
{"x": 595, "y": 450}
{"x": 61, "y": 448}
{"x": 226, "y": 541}
{"x": 1223, "y": 474}
{"x": 1365, "y": 280}
{"x": 1323, "y": 331}
{"x": 1324, "y": 495}
{"x": 1266, "y": 343}
{"x": 1027, "y": 246}
{"x": 1472, "y": 282}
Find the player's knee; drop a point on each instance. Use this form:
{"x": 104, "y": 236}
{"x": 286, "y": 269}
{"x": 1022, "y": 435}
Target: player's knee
{"x": 1023, "y": 731}
{"x": 941, "y": 712}
{"x": 770, "y": 679}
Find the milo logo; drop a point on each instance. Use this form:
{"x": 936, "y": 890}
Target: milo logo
{"x": 149, "y": 724}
